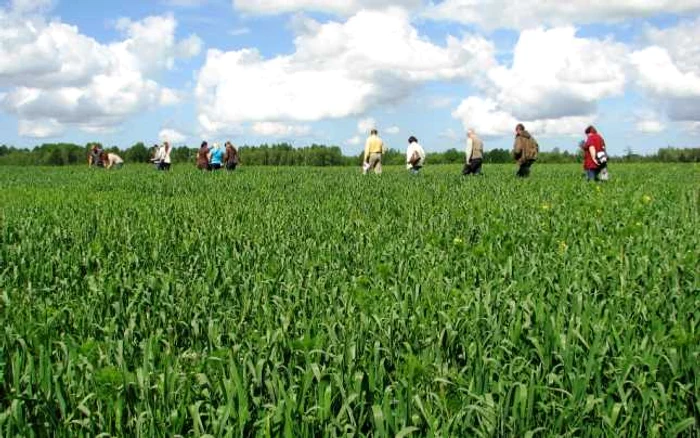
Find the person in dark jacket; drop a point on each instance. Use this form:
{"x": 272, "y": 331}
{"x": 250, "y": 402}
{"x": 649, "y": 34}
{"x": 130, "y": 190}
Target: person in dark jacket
{"x": 525, "y": 150}
{"x": 231, "y": 158}
{"x": 203, "y": 157}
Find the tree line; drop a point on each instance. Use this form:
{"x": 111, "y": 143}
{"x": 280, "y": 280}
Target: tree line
{"x": 284, "y": 154}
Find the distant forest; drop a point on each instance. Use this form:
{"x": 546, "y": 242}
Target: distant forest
{"x": 284, "y": 154}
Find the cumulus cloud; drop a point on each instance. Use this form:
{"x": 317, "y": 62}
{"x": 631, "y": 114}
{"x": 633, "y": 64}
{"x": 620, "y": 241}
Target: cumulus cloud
{"x": 274, "y": 129}
{"x": 337, "y": 70}
{"x": 393, "y": 130}
{"x": 650, "y": 126}
{"x": 354, "y": 141}
{"x": 554, "y": 83}
{"x": 668, "y": 70}
{"x": 522, "y": 14}
{"x": 556, "y": 73}
{"x": 172, "y": 136}
{"x": 338, "y": 7}
{"x": 42, "y": 128}
{"x": 57, "y": 76}
{"x": 364, "y": 126}
{"x": 487, "y": 117}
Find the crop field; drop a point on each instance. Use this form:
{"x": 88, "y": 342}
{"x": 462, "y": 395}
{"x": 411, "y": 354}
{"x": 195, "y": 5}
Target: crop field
{"x": 309, "y": 302}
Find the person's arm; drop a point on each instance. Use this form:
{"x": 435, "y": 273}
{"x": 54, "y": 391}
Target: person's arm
{"x": 517, "y": 148}
{"x": 89, "y": 160}
{"x": 367, "y": 151}
{"x": 591, "y": 150}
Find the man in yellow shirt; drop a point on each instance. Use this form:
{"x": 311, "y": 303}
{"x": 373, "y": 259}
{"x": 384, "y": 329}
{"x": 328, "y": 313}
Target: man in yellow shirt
{"x": 374, "y": 149}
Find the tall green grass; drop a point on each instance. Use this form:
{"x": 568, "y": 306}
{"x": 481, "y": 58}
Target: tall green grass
{"x": 317, "y": 302}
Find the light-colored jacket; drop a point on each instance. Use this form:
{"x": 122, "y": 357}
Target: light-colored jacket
{"x": 476, "y": 152}
{"x": 413, "y": 148}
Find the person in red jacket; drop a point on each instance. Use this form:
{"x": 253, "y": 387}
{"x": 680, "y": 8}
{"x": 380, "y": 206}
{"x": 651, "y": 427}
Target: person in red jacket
{"x": 595, "y": 159}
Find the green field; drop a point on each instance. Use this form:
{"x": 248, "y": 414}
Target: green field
{"x": 308, "y": 302}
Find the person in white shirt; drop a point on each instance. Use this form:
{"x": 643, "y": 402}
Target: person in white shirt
{"x": 415, "y": 156}
{"x": 114, "y": 160}
{"x": 163, "y": 157}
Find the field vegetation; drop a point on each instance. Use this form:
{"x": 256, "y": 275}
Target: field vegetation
{"x": 305, "y": 302}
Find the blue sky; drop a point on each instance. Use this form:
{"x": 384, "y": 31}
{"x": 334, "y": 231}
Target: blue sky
{"x": 307, "y": 71}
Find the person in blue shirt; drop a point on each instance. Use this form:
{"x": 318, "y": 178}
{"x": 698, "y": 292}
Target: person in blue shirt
{"x": 217, "y": 157}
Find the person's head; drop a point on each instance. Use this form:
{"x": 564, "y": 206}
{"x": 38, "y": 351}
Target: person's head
{"x": 204, "y": 144}
{"x": 591, "y": 130}
{"x": 519, "y": 128}
{"x": 373, "y": 131}
{"x": 228, "y": 145}
{"x": 412, "y": 139}
{"x": 471, "y": 133}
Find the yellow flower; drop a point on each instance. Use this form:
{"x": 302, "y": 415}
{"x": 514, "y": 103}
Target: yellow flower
{"x": 646, "y": 199}
{"x": 457, "y": 241}
{"x": 546, "y": 207}
{"x": 563, "y": 247}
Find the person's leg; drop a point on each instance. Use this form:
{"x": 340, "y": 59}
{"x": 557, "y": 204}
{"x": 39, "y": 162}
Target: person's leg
{"x": 466, "y": 170}
{"x": 375, "y": 163}
{"x": 476, "y": 166}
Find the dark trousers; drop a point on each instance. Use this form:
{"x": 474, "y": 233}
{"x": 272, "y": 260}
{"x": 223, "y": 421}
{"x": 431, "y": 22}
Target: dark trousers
{"x": 231, "y": 166}
{"x": 473, "y": 167}
{"x": 163, "y": 166}
{"x": 524, "y": 170}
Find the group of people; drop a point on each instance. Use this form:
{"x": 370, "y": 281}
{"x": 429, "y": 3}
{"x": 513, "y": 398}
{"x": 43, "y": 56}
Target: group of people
{"x": 525, "y": 152}
{"x": 98, "y": 157}
{"x": 217, "y": 157}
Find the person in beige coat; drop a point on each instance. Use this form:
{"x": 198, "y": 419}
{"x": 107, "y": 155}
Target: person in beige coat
{"x": 474, "y": 155}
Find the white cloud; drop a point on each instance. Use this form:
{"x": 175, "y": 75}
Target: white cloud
{"x": 488, "y": 119}
{"x": 354, "y": 141}
{"x": 393, "y": 130}
{"x": 169, "y": 97}
{"x": 366, "y": 125}
{"x": 525, "y": 14}
{"x": 43, "y": 128}
{"x": 556, "y": 74}
{"x": 650, "y": 126}
{"x": 239, "y": 31}
{"x": 440, "y": 102}
{"x": 28, "y": 6}
{"x": 274, "y": 129}
{"x": 54, "y": 73}
{"x": 172, "y": 136}
{"x": 338, "y": 7}
{"x": 669, "y": 69}
{"x": 554, "y": 84}
{"x": 337, "y": 70}
{"x": 450, "y": 134}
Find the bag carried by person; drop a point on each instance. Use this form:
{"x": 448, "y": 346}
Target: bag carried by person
{"x": 602, "y": 159}
{"x": 415, "y": 158}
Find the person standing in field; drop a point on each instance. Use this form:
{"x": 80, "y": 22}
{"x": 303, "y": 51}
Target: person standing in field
{"x": 231, "y": 157}
{"x": 114, "y": 160}
{"x": 156, "y": 157}
{"x": 525, "y": 150}
{"x": 164, "y": 155}
{"x": 203, "y": 157}
{"x": 216, "y": 157}
{"x": 374, "y": 149}
{"x": 415, "y": 156}
{"x": 474, "y": 155}
{"x": 595, "y": 158}
{"x": 95, "y": 157}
